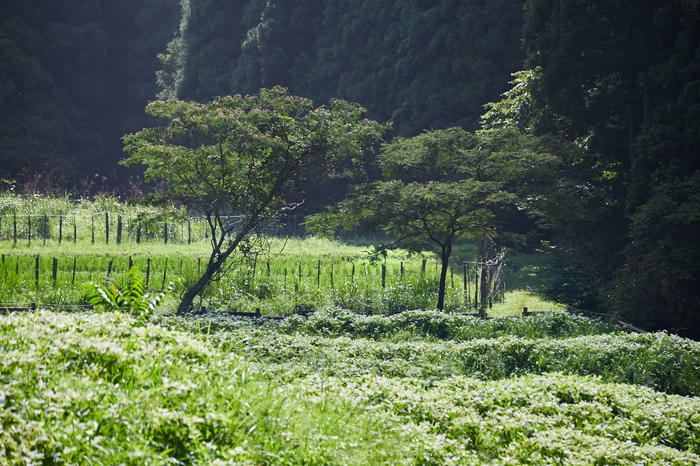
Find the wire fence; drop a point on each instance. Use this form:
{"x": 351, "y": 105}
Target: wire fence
{"x": 110, "y": 228}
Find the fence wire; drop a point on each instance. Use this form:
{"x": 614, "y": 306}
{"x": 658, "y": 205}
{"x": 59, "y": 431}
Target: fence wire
{"x": 109, "y": 227}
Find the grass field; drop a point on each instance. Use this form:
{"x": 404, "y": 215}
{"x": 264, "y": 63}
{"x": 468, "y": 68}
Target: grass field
{"x": 375, "y": 376}
{"x": 290, "y": 274}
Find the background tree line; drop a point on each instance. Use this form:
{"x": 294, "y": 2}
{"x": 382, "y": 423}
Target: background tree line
{"x": 620, "y": 82}
{"x": 77, "y": 75}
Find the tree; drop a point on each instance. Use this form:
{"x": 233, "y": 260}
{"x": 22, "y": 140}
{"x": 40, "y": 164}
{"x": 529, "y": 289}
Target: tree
{"x": 51, "y": 85}
{"x": 620, "y": 80}
{"x": 659, "y": 285}
{"x": 575, "y": 208}
{"x": 444, "y": 185}
{"x": 243, "y": 155}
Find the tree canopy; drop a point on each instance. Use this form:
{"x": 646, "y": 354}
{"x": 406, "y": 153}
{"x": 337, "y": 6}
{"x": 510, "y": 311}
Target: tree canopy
{"x": 242, "y": 154}
{"x": 620, "y": 81}
{"x": 421, "y": 65}
{"x": 443, "y": 185}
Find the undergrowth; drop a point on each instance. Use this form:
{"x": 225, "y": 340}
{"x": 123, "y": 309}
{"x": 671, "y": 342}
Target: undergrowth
{"x": 430, "y": 344}
{"x": 98, "y": 389}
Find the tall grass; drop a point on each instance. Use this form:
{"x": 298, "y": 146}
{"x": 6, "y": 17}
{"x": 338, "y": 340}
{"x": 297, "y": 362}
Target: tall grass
{"x": 97, "y": 389}
{"x": 429, "y": 344}
{"x": 287, "y": 275}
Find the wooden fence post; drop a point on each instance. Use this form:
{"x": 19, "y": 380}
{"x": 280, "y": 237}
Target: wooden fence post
{"x": 14, "y": 218}
{"x": 119, "y": 229}
{"x": 109, "y": 269}
{"x": 54, "y": 271}
{"x": 466, "y": 280}
{"x": 318, "y": 277}
{"x": 75, "y": 231}
{"x": 383, "y": 276}
{"x": 106, "y": 227}
{"x": 138, "y": 234}
{"x": 45, "y": 229}
{"x": 29, "y": 223}
{"x": 165, "y": 233}
{"x": 189, "y": 231}
{"x": 165, "y": 273}
{"x": 148, "y": 270}
{"x": 60, "y": 229}
{"x": 75, "y": 262}
{"x": 36, "y": 273}
{"x": 92, "y": 217}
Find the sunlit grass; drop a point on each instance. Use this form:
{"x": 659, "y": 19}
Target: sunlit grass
{"x": 514, "y": 302}
{"x": 281, "y": 275}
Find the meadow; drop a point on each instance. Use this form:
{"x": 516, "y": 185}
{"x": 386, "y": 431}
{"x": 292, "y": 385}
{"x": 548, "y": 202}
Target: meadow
{"x": 374, "y": 375}
{"x": 286, "y": 275}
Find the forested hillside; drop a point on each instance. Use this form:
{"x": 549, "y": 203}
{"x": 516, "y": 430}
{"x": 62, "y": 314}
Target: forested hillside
{"x": 621, "y": 81}
{"x": 419, "y": 64}
{"x": 76, "y": 75}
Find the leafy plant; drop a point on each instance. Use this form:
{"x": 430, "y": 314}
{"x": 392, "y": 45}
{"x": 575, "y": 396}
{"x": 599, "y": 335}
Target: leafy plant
{"x": 132, "y": 298}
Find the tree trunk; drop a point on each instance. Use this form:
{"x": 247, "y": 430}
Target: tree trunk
{"x": 445, "y": 258}
{"x": 486, "y": 253}
{"x": 216, "y": 260}
{"x": 194, "y": 290}
{"x": 485, "y": 285}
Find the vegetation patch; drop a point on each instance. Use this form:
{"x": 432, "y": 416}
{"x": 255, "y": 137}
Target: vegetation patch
{"x": 99, "y": 389}
{"x": 434, "y": 345}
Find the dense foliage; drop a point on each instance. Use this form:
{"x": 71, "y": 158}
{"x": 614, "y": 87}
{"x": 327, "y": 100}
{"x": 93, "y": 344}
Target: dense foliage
{"x": 619, "y": 79}
{"x": 96, "y": 388}
{"x": 431, "y": 344}
{"x": 75, "y": 77}
{"x": 419, "y": 64}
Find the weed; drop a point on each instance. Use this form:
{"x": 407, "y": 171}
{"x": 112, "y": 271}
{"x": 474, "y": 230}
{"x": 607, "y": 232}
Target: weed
{"x": 132, "y": 298}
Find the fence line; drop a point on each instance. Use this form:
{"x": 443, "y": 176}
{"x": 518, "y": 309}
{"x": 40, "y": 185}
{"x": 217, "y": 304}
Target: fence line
{"x": 105, "y": 227}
